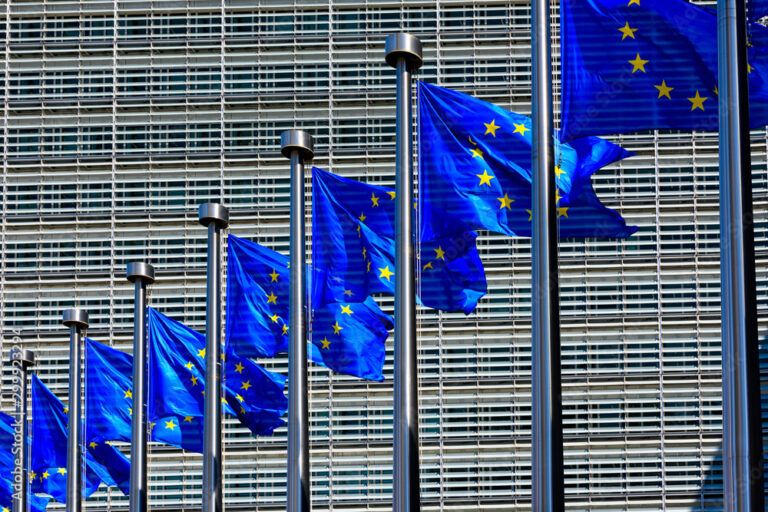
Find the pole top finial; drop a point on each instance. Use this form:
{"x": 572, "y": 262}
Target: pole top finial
{"x": 297, "y": 140}
{"x": 75, "y": 317}
{"x": 140, "y": 271}
{"x": 406, "y": 46}
{"x": 214, "y": 212}
{"x": 26, "y": 356}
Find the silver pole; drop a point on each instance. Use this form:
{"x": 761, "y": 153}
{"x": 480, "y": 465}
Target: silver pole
{"x": 403, "y": 52}
{"x": 742, "y": 435}
{"x": 546, "y": 401}
{"x": 24, "y": 358}
{"x": 77, "y": 320}
{"x": 141, "y": 275}
{"x": 216, "y": 218}
{"x": 298, "y": 146}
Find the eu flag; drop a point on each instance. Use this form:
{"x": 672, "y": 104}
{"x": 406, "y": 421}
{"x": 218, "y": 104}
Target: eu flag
{"x": 632, "y": 65}
{"x": 475, "y": 171}
{"x": 347, "y": 337}
{"x": 353, "y": 230}
{"x": 177, "y": 380}
{"x": 7, "y": 464}
{"x": 109, "y": 402}
{"x": 48, "y": 458}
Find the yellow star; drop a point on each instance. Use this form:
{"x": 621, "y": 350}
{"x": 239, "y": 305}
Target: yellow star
{"x": 491, "y": 128}
{"x": 62, "y": 471}
{"x": 440, "y": 253}
{"x": 368, "y": 269}
{"x": 697, "y": 101}
{"x": 239, "y": 398}
{"x": 130, "y": 412}
{"x": 558, "y": 197}
{"x": 391, "y": 194}
{"x": 326, "y": 343}
{"x": 362, "y": 217}
{"x": 152, "y": 423}
{"x": 337, "y": 328}
{"x": 188, "y": 419}
{"x": 66, "y": 410}
{"x": 194, "y": 380}
{"x": 359, "y": 235}
{"x": 189, "y": 365}
{"x": 664, "y": 90}
{"x": 365, "y": 252}
{"x": 471, "y": 141}
{"x": 386, "y": 273}
{"x": 274, "y": 318}
{"x": 374, "y": 199}
{"x": 749, "y": 68}
{"x": 345, "y": 310}
{"x": 505, "y": 202}
{"x": 246, "y": 385}
{"x": 6, "y": 509}
{"x": 224, "y": 401}
{"x": 636, "y": 2}
{"x": 558, "y": 171}
{"x": 627, "y": 32}
{"x": 477, "y": 153}
{"x": 638, "y": 64}
{"x": 93, "y": 444}
{"x": 242, "y": 410}
{"x": 562, "y": 212}
{"x": 128, "y": 394}
{"x": 530, "y": 215}
{"x": 428, "y": 265}
{"x": 32, "y": 475}
{"x": 520, "y": 128}
{"x": 272, "y": 298}
{"x": 45, "y": 475}
{"x": 201, "y": 352}
{"x": 348, "y": 293}
{"x": 170, "y": 425}
{"x": 485, "y": 178}
{"x": 239, "y": 368}
{"x": 285, "y": 329}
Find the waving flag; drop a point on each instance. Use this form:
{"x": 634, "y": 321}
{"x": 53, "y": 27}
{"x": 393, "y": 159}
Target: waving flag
{"x": 353, "y": 243}
{"x": 475, "y": 172}
{"x": 632, "y": 65}
{"x": 177, "y": 381}
{"x": 7, "y": 464}
{"x": 347, "y": 337}
{"x": 48, "y": 460}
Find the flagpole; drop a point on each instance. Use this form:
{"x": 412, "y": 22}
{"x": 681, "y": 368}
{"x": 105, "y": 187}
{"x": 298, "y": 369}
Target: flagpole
{"x": 547, "y": 491}
{"x": 216, "y": 218}
{"x": 77, "y": 320}
{"x": 742, "y": 429}
{"x": 404, "y": 53}
{"x": 298, "y": 146}
{"x": 141, "y": 275}
{"x": 24, "y": 358}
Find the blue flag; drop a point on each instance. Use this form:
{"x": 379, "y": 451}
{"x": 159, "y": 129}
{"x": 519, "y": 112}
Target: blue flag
{"x": 48, "y": 459}
{"x": 177, "y": 380}
{"x": 632, "y": 65}
{"x": 109, "y": 403}
{"x": 347, "y": 337}
{"x": 353, "y": 230}
{"x": 475, "y": 171}
{"x": 7, "y": 463}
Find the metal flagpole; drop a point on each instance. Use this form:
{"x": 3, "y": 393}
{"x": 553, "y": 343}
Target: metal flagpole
{"x": 141, "y": 275}
{"x": 403, "y": 52}
{"x": 77, "y": 320}
{"x": 216, "y": 218}
{"x": 24, "y": 358}
{"x": 546, "y": 400}
{"x": 742, "y": 432}
{"x": 298, "y": 146}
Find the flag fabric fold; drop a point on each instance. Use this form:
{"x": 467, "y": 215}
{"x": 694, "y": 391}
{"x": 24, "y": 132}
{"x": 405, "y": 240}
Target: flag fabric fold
{"x": 48, "y": 458}
{"x": 475, "y": 172}
{"x": 353, "y": 230}
{"x": 347, "y": 337}
{"x": 177, "y": 381}
{"x": 651, "y": 64}
{"x": 7, "y": 464}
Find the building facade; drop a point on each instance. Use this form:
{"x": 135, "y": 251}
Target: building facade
{"x": 122, "y": 116}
